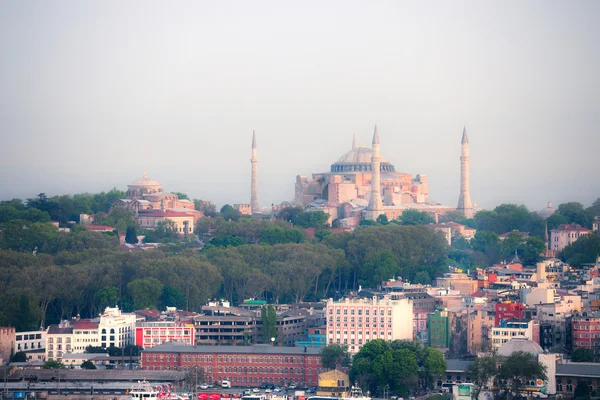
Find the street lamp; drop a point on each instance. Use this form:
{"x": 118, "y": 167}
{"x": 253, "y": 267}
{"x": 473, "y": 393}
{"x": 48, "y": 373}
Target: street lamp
{"x": 273, "y": 341}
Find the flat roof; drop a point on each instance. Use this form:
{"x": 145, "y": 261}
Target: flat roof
{"x": 255, "y": 349}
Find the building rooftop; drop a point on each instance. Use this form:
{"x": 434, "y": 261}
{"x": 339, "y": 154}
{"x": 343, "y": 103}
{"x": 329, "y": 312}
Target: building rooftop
{"x": 570, "y": 228}
{"x": 172, "y": 347}
{"x": 587, "y": 370}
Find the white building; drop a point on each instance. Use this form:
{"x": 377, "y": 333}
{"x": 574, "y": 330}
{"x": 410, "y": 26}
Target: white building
{"x": 566, "y": 234}
{"x": 353, "y": 322}
{"x": 116, "y": 328}
{"x": 514, "y": 330}
{"x": 32, "y": 340}
{"x": 112, "y": 328}
{"x": 85, "y": 333}
{"x": 539, "y": 295}
{"x": 59, "y": 340}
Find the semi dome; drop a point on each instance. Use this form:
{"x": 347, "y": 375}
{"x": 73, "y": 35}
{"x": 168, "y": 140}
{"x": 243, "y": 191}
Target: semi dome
{"x": 359, "y": 159}
{"x": 519, "y": 344}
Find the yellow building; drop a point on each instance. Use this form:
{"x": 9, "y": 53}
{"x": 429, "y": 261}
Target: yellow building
{"x": 333, "y": 383}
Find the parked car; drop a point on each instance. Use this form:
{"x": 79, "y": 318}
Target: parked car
{"x": 267, "y": 390}
{"x": 256, "y": 390}
{"x": 292, "y": 386}
{"x": 204, "y": 386}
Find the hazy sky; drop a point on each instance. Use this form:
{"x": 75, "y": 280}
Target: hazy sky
{"x": 92, "y": 94}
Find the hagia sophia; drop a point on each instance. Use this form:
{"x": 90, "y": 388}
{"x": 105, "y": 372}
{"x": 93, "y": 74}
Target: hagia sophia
{"x": 361, "y": 184}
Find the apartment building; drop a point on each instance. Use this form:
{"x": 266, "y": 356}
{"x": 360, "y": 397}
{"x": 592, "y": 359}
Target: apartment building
{"x": 355, "y": 321}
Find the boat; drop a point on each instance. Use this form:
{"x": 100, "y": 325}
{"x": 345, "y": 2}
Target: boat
{"x": 356, "y": 394}
{"x": 144, "y": 391}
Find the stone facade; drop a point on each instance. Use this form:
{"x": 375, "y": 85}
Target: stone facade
{"x": 7, "y": 343}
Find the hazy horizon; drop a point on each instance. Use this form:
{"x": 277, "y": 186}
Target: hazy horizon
{"x": 92, "y": 95}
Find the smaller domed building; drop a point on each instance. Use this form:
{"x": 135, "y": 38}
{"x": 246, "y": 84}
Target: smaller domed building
{"x": 151, "y": 205}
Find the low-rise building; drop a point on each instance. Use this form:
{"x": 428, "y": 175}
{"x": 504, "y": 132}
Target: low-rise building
{"x": 515, "y": 329}
{"x": 31, "y": 340}
{"x": 317, "y": 338}
{"x": 464, "y": 284}
{"x": 586, "y": 332}
{"x": 565, "y": 235}
{"x": 241, "y": 365}
{"x": 153, "y": 333}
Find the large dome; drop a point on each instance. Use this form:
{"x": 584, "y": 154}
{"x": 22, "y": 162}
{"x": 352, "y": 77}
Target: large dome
{"x": 359, "y": 159}
{"x": 547, "y": 211}
{"x": 144, "y": 181}
{"x": 519, "y": 344}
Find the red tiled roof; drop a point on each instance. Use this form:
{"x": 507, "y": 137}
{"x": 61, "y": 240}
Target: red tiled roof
{"x": 85, "y": 324}
{"x": 571, "y": 228}
{"x": 149, "y": 313}
{"x": 100, "y": 228}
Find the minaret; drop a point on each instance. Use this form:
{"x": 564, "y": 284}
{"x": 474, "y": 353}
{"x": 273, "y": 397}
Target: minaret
{"x": 464, "y": 200}
{"x": 354, "y": 142}
{"x": 547, "y": 241}
{"x": 253, "y": 192}
{"x": 375, "y": 208}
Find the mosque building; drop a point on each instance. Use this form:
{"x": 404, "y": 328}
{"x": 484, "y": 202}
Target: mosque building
{"x": 151, "y": 205}
{"x": 361, "y": 184}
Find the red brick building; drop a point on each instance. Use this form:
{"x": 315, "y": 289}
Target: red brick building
{"x": 241, "y": 365}
{"x": 586, "y": 331}
{"x": 506, "y": 311}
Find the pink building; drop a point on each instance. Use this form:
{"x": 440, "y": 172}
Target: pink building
{"x": 353, "y": 322}
{"x": 566, "y": 234}
{"x": 420, "y": 324}
{"x": 150, "y": 334}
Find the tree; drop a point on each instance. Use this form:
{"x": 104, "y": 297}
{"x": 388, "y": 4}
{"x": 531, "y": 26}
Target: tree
{"x": 171, "y": 297}
{"x": 433, "y": 366}
{"x": 482, "y": 371}
{"x": 272, "y": 320}
{"x": 52, "y": 364}
{"x": 230, "y": 213}
{"x": 583, "y": 250}
{"x": 181, "y": 196}
{"x": 334, "y": 356}
{"x": 520, "y": 367}
{"x": 382, "y": 220}
{"x": 414, "y": 217}
{"x": 87, "y": 364}
{"x": 582, "y": 355}
{"x": 107, "y": 297}
{"x": 145, "y": 292}
{"x": 131, "y": 235}
{"x": 396, "y": 365}
{"x": 575, "y": 214}
{"x": 19, "y": 356}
